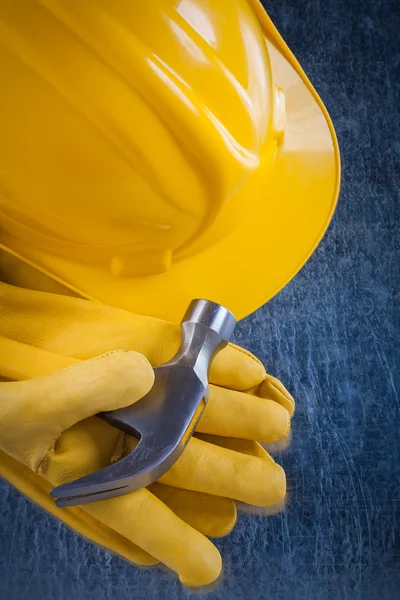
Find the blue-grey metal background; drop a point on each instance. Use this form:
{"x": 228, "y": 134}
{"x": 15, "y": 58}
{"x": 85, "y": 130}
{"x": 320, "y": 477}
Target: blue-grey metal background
{"x": 332, "y": 335}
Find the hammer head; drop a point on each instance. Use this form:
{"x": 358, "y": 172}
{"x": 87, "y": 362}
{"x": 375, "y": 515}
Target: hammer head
{"x": 165, "y": 418}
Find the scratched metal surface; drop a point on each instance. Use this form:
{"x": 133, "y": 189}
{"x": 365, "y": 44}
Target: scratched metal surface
{"x": 332, "y": 335}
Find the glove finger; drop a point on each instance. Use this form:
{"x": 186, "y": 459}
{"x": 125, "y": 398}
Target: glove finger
{"x": 213, "y": 516}
{"x": 34, "y": 413}
{"x": 236, "y": 368}
{"x": 251, "y": 448}
{"x": 209, "y": 468}
{"x": 38, "y": 489}
{"x": 140, "y": 517}
{"x": 146, "y": 521}
{"x": 273, "y": 389}
{"x": 237, "y": 414}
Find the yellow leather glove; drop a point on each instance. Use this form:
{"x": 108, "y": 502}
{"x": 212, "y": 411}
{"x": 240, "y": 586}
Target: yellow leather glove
{"x": 77, "y": 328}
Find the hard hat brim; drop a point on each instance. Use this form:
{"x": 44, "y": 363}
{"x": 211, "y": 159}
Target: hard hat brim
{"x": 257, "y": 259}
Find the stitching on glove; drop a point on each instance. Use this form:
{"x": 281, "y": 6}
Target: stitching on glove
{"x": 100, "y": 356}
{"x": 286, "y": 395}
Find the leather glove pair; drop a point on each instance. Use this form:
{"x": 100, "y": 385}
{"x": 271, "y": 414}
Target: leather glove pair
{"x": 50, "y": 436}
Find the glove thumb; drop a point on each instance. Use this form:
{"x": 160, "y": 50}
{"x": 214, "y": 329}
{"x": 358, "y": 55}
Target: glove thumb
{"x": 33, "y": 413}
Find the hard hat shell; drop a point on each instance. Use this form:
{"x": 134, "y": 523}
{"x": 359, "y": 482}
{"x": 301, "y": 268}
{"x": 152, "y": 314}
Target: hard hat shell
{"x": 153, "y": 152}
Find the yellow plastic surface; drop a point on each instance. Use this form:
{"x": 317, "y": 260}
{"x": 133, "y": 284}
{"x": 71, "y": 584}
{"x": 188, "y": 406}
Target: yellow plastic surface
{"x": 154, "y": 152}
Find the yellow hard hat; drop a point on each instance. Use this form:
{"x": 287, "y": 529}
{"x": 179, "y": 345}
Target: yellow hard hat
{"x": 154, "y": 152}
